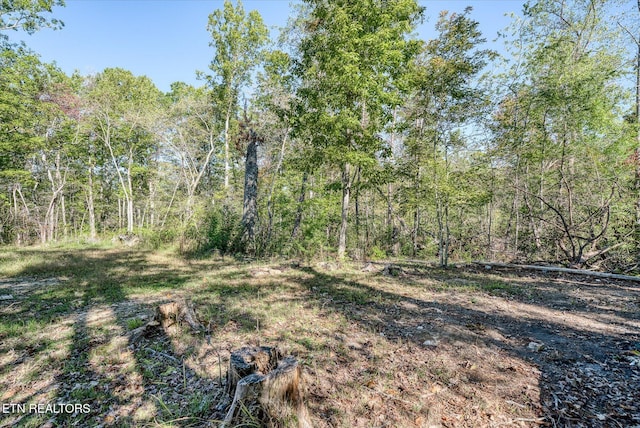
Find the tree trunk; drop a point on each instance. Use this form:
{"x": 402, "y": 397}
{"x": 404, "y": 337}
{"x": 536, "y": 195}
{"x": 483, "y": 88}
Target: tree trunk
{"x": 416, "y": 190}
{"x": 298, "y": 220}
{"x": 63, "y": 211}
{"x": 441, "y": 237}
{"x": 129, "y": 196}
{"x": 394, "y": 233}
{"x": 447, "y": 236}
{"x": 359, "y": 247}
{"x": 415, "y": 231}
{"x": 152, "y": 204}
{"x": 273, "y": 185}
{"x": 129, "y": 215}
{"x": 346, "y": 193}
{"x": 227, "y": 167}
{"x": 120, "y": 223}
{"x": 250, "y": 205}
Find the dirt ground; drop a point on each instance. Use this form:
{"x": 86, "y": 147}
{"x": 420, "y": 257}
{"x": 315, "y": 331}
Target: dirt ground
{"x": 415, "y": 346}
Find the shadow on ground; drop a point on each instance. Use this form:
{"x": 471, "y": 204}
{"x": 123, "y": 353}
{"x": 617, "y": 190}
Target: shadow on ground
{"x": 66, "y": 338}
{"x": 428, "y": 348}
{"x": 581, "y": 335}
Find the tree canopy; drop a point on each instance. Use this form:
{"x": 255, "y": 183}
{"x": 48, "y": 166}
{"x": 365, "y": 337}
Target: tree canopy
{"x": 354, "y": 138}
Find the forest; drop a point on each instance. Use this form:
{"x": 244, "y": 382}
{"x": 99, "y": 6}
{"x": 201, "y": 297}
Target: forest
{"x": 387, "y": 231}
{"x": 346, "y": 136}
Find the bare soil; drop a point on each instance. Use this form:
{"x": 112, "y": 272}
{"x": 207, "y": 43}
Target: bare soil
{"x": 417, "y": 346}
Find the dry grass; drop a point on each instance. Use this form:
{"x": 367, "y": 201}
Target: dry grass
{"x": 428, "y": 348}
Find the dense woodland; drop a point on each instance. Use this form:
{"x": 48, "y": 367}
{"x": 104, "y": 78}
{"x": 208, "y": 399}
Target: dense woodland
{"x": 348, "y": 136}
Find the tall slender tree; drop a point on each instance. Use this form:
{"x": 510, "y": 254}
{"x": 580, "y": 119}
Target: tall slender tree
{"x": 238, "y": 39}
{"x": 352, "y": 62}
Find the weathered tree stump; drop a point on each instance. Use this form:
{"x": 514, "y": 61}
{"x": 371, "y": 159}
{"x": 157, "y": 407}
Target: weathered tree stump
{"x": 272, "y": 394}
{"x": 181, "y": 312}
{"x": 167, "y": 315}
{"x": 249, "y": 360}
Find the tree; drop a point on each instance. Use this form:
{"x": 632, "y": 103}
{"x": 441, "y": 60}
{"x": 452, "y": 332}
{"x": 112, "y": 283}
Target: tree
{"x": 27, "y": 15}
{"x": 21, "y": 79}
{"x": 121, "y": 108}
{"x": 250, "y": 199}
{"x": 352, "y": 62}
{"x": 238, "y": 40}
{"x": 446, "y": 98}
{"x": 271, "y": 105}
{"x": 635, "y": 117}
{"x": 560, "y": 130}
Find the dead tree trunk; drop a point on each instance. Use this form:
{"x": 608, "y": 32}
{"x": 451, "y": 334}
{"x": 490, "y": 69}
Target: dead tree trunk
{"x": 250, "y": 205}
{"x": 250, "y": 360}
{"x": 271, "y": 391}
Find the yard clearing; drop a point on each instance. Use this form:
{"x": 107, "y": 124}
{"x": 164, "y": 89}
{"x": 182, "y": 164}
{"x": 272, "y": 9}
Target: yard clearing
{"x": 424, "y": 347}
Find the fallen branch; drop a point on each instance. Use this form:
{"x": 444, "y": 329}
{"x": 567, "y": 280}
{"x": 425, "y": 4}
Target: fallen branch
{"x": 162, "y": 354}
{"x": 562, "y": 270}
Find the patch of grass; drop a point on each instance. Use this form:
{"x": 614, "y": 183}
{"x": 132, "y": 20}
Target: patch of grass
{"x": 500, "y": 288}
{"x": 199, "y": 404}
{"x": 309, "y": 343}
{"x": 86, "y": 393}
{"x": 16, "y": 327}
{"x": 134, "y": 323}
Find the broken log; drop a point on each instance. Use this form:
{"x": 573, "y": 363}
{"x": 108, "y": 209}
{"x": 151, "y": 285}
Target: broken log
{"x": 269, "y": 393}
{"x": 561, "y": 270}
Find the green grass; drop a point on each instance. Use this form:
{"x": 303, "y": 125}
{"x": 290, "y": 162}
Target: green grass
{"x": 500, "y": 288}
{"x": 134, "y": 323}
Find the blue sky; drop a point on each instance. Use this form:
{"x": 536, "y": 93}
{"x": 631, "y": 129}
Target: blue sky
{"x": 167, "y": 40}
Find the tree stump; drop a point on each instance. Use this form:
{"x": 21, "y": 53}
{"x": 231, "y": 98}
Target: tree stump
{"x": 181, "y": 312}
{"x": 270, "y": 391}
{"x": 249, "y": 360}
{"x": 167, "y": 315}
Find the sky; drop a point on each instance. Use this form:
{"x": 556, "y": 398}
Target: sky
{"x": 167, "y": 40}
